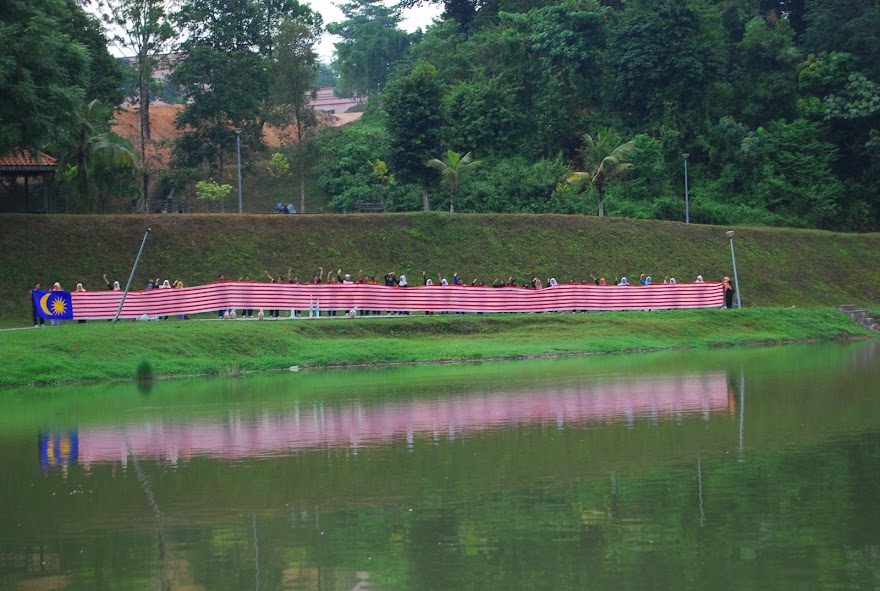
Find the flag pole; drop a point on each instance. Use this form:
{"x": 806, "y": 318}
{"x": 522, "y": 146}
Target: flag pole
{"x": 130, "y": 277}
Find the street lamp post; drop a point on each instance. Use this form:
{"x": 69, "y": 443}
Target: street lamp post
{"x": 687, "y": 208}
{"x": 730, "y": 234}
{"x": 238, "y": 149}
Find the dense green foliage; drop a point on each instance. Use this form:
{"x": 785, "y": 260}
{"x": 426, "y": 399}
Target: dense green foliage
{"x": 778, "y": 108}
{"x": 44, "y": 73}
{"x": 776, "y": 103}
{"x": 58, "y": 84}
{"x": 370, "y": 45}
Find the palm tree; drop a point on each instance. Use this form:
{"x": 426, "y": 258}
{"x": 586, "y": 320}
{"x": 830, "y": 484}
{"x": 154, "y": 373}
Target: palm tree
{"x": 604, "y": 160}
{"x": 92, "y": 150}
{"x": 453, "y": 168}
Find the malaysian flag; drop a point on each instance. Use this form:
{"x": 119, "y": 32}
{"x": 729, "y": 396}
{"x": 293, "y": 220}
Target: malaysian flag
{"x": 230, "y": 295}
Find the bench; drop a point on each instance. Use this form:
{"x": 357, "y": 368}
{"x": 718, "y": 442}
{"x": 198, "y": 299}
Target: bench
{"x": 370, "y": 206}
{"x": 165, "y": 206}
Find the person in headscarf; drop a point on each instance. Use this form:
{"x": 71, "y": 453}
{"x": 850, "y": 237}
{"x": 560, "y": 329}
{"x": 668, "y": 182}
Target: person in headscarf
{"x": 623, "y": 281}
{"x": 80, "y": 289}
{"x": 178, "y": 284}
{"x": 699, "y": 279}
{"x": 728, "y": 293}
{"x": 54, "y": 321}
{"x": 114, "y": 286}
{"x": 403, "y": 283}
{"x": 165, "y": 285}
{"x": 552, "y": 282}
{"x": 647, "y": 280}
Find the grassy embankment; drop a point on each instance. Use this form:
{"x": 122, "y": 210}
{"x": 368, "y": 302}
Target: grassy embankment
{"x": 103, "y": 351}
{"x": 777, "y": 267}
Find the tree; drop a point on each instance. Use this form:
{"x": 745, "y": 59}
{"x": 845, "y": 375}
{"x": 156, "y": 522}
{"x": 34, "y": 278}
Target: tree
{"x": 453, "y": 168}
{"x": 414, "y": 117}
{"x": 371, "y": 45}
{"x": 557, "y": 54}
{"x": 43, "y": 75}
{"x": 144, "y": 28}
{"x": 105, "y": 77}
{"x": 604, "y": 160}
{"x": 225, "y": 76}
{"x": 95, "y": 152}
{"x": 667, "y": 53}
{"x": 212, "y": 191}
{"x": 295, "y": 67}
{"x": 845, "y": 25}
{"x": 224, "y": 81}
{"x": 328, "y": 74}
{"x": 765, "y": 74}
{"x": 789, "y": 171}
{"x": 463, "y": 12}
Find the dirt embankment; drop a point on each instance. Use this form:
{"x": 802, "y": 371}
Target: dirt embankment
{"x": 163, "y": 131}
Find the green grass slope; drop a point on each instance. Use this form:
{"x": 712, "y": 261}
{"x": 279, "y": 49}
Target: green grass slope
{"x": 101, "y": 351}
{"x": 777, "y": 267}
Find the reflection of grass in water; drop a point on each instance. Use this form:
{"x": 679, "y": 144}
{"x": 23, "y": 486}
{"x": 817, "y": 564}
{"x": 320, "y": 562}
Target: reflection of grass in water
{"x": 103, "y": 351}
{"x": 144, "y": 372}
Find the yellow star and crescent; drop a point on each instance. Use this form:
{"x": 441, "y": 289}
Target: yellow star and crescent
{"x": 59, "y": 307}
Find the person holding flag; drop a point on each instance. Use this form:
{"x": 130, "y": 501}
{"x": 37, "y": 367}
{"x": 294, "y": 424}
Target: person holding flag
{"x": 56, "y": 305}
{"x": 38, "y": 320}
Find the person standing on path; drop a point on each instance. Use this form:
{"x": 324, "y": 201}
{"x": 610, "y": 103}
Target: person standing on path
{"x": 38, "y": 320}
{"x": 728, "y": 293}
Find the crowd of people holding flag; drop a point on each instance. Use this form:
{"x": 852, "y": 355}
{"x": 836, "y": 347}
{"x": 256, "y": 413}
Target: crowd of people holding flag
{"x": 389, "y": 279}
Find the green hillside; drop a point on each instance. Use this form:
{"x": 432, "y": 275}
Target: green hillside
{"x": 777, "y": 267}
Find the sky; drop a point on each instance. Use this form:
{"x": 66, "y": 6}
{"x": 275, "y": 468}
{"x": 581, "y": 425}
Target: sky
{"x": 419, "y": 17}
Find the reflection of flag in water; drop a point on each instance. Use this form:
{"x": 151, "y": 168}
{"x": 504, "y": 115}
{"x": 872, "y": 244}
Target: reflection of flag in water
{"x": 53, "y": 305}
{"x": 59, "y": 449}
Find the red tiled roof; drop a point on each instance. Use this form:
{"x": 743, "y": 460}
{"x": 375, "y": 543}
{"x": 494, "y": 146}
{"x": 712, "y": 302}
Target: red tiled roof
{"x": 24, "y": 159}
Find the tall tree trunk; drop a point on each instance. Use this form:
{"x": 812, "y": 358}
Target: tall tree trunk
{"x": 220, "y": 182}
{"x": 302, "y": 163}
{"x": 452, "y": 202}
{"x": 144, "y": 76}
{"x": 425, "y": 203}
{"x": 600, "y": 191}
{"x": 302, "y": 190}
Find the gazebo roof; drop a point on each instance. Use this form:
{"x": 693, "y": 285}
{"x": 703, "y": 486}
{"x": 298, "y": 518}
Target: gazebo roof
{"x": 22, "y": 161}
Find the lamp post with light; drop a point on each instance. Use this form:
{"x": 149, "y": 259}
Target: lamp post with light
{"x": 687, "y": 208}
{"x": 730, "y": 234}
{"x": 238, "y": 149}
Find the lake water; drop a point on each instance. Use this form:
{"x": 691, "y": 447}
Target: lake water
{"x": 736, "y": 469}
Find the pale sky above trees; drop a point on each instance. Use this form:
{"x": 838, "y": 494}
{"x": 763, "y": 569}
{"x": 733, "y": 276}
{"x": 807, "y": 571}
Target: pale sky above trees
{"x": 419, "y": 17}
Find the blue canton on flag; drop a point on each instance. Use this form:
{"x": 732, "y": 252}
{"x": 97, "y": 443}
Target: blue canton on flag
{"x": 53, "y": 305}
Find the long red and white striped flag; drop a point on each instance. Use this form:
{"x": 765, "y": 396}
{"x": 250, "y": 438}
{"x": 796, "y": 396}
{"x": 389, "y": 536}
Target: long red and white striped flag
{"x": 226, "y": 295}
